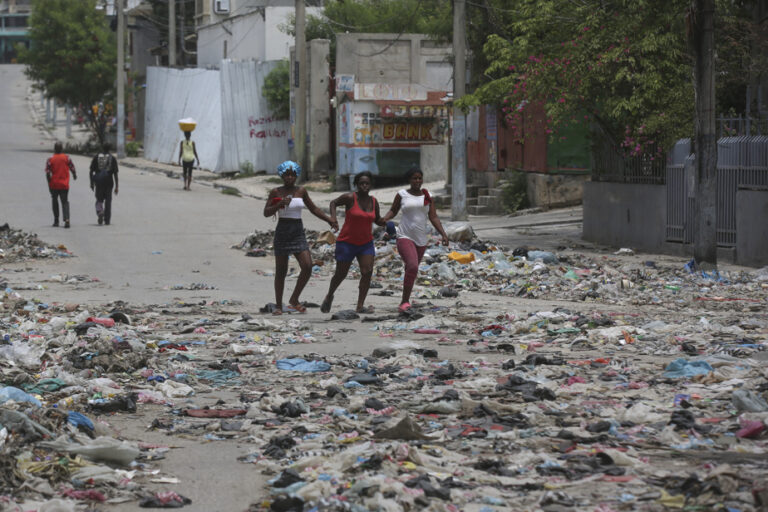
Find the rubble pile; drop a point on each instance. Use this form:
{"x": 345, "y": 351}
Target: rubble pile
{"x": 636, "y": 386}
{"x": 17, "y": 245}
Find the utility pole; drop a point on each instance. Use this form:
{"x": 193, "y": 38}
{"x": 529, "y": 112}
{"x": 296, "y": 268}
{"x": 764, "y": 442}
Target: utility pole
{"x": 69, "y": 121}
{"x": 702, "y": 30}
{"x": 459, "y": 138}
{"x": 171, "y": 33}
{"x": 301, "y": 91}
{"x": 181, "y": 34}
{"x": 120, "y": 80}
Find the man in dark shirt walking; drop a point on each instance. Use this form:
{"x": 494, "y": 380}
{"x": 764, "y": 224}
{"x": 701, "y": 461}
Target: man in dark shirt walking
{"x": 103, "y": 177}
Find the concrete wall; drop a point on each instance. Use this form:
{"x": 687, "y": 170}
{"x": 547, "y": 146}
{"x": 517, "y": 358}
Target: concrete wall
{"x": 434, "y": 162}
{"x": 752, "y": 227}
{"x": 555, "y": 190}
{"x": 622, "y": 215}
{"x": 251, "y": 30}
{"x": 240, "y": 38}
{"x": 319, "y": 107}
{"x": 410, "y": 59}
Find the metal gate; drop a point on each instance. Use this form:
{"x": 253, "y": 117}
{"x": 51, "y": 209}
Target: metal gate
{"x": 741, "y": 162}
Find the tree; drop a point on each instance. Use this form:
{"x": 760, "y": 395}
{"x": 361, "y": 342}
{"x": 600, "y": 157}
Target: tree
{"x": 701, "y": 32}
{"x": 624, "y": 65}
{"x": 72, "y": 56}
{"x": 620, "y": 64}
{"x": 431, "y": 17}
{"x": 277, "y": 90}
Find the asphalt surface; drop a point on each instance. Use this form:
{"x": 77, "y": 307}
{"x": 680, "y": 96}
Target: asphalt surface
{"x": 163, "y": 237}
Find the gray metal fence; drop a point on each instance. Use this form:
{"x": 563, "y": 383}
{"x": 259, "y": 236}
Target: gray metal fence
{"x": 741, "y": 162}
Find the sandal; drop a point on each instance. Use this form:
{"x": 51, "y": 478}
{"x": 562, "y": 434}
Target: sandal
{"x": 325, "y": 307}
{"x": 295, "y": 308}
{"x": 277, "y": 311}
{"x": 366, "y": 310}
{"x": 404, "y": 307}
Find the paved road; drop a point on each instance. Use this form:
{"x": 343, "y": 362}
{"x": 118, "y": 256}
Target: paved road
{"x": 160, "y": 235}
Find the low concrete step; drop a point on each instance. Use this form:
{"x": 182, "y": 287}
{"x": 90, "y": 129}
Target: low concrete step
{"x": 472, "y": 190}
{"x": 480, "y": 210}
{"x": 492, "y": 201}
{"x": 495, "y": 192}
{"x": 472, "y": 201}
{"x": 442, "y": 201}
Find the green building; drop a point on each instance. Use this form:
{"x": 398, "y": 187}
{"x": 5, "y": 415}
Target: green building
{"x": 14, "y": 15}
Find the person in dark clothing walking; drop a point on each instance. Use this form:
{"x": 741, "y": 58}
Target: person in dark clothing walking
{"x": 103, "y": 178}
{"x": 57, "y": 169}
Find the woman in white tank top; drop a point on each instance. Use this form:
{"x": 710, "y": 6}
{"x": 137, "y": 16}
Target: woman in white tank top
{"x": 288, "y": 202}
{"x": 417, "y": 207}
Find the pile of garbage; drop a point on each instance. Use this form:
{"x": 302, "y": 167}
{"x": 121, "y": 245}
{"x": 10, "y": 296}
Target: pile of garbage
{"x": 17, "y": 245}
{"x": 589, "y": 382}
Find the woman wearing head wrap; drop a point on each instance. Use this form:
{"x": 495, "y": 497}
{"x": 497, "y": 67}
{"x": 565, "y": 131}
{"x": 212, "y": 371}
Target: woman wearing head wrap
{"x": 287, "y": 202}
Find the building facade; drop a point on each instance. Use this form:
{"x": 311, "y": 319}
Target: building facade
{"x": 14, "y": 17}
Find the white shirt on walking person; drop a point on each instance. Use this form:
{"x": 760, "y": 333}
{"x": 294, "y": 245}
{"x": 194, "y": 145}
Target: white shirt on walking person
{"x": 413, "y": 223}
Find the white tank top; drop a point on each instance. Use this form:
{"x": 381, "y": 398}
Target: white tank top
{"x": 413, "y": 224}
{"x": 293, "y": 210}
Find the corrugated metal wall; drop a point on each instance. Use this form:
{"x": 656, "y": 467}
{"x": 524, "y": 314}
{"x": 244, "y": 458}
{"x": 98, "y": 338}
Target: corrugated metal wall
{"x": 249, "y": 133}
{"x": 174, "y": 94}
{"x": 741, "y": 162}
{"x": 234, "y": 124}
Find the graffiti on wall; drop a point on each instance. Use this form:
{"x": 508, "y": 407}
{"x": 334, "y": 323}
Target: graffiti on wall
{"x": 265, "y": 127}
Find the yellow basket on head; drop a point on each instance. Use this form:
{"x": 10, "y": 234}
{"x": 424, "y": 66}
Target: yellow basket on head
{"x": 187, "y": 125}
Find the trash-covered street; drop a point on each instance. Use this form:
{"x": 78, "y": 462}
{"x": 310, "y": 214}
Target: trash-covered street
{"x": 519, "y": 380}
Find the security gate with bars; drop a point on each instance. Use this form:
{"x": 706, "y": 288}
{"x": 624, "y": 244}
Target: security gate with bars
{"x": 741, "y": 162}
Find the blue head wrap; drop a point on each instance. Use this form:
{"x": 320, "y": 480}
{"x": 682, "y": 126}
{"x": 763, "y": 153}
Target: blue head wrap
{"x": 289, "y": 165}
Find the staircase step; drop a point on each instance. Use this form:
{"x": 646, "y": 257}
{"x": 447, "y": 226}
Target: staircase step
{"x": 479, "y": 210}
{"x": 492, "y": 201}
{"x": 495, "y": 192}
{"x": 442, "y": 201}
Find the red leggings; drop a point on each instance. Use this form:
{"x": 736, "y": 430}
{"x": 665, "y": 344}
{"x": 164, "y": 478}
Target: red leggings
{"x": 411, "y": 255}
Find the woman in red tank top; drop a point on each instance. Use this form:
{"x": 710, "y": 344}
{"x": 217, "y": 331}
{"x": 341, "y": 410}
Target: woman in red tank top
{"x": 355, "y": 240}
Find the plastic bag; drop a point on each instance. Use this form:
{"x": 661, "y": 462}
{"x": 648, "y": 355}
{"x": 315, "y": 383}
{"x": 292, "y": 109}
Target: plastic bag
{"x": 458, "y": 231}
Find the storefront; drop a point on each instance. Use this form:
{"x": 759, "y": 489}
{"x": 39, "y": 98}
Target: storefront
{"x": 385, "y": 130}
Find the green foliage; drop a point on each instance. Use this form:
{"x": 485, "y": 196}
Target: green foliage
{"x": 132, "y": 148}
{"x": 514, "y": 191}
{"x": 230, "y": 191}
{"x": 431, "y": 17}
{"x": 88, "y": 148}
{"x": 624, "y": 63}
{"x": 72, "y": 54}
{"x": 277, "y": 90}
{"x": 246, "y": 169}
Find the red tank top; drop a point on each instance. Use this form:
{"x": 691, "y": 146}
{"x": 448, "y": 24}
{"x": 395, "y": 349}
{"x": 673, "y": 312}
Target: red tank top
{"x": 357, "y": 224}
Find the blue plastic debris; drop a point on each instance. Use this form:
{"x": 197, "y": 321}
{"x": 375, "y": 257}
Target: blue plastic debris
{"x": 79, "y": 420}
{"x": 681, "y": 368}
{"x": 302, "y": 365}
